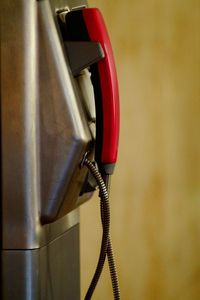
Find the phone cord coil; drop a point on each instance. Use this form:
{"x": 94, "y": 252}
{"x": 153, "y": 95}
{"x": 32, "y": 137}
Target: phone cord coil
{"x": 106, "y": 245}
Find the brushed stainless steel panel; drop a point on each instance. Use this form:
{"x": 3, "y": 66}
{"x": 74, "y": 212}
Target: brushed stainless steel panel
{"x": 19, "y": 113}
{"x": 49, "y": 273}
{"x": 45, "y": 130}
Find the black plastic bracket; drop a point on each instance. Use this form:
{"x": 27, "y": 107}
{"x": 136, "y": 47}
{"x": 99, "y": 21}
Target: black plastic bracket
{"x": 83, "y": 54}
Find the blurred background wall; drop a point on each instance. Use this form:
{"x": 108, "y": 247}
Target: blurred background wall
{"x": 155, "y": 195}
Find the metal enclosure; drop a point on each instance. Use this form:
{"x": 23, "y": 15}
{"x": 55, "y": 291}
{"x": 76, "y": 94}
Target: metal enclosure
{"x": 44, "y": 135}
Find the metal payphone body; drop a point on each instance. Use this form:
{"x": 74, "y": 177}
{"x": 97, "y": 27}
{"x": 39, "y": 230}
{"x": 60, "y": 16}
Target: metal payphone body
{"x": 44, "y": 134}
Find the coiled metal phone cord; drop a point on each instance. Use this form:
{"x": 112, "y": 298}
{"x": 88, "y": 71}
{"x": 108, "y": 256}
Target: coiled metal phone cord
{"x": 110, "y": 253}
{"x": 106, "y": 245}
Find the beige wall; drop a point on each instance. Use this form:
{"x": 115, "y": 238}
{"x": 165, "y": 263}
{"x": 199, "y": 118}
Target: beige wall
{"x": 155, "y": 195}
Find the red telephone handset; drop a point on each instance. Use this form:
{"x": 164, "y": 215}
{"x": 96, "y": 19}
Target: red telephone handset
{"x": 88, "y": 25}
{"x": 109, "y": 86}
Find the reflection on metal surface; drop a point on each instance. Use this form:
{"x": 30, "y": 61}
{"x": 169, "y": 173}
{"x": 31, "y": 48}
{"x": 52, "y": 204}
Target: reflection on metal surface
{"x": 62, "y": 13}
